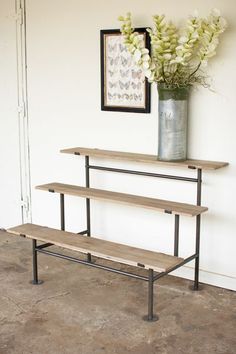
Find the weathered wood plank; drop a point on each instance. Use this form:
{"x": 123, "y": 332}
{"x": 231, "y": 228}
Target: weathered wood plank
{"x": 133, "y": 256}
{"x": 144, "y": 158}
{"x": 145, "y": 202}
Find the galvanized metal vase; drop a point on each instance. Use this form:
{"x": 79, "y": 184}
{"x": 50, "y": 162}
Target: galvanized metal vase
{"x": 173, "y": 120}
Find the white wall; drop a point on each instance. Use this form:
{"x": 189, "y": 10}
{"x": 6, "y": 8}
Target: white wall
{"x": 64, "y": 111}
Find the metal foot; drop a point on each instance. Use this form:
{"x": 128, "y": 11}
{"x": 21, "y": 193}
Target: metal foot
{"x": 154, "y": 318}
{"x": 196, "y": 288}
{"x": 38, "y": 282}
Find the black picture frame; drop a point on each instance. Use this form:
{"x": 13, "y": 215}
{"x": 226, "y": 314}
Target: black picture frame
{"x": 123, "y": 85}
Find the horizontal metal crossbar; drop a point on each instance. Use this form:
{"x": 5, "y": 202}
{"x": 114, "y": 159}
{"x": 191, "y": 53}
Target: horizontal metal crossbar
{"x": 82, "y": 232}
{"x": 76, "y": 260}
{"x": 45, "y": 245}
{"x": 140, "y": 173}
{"x": 189, "y": 259}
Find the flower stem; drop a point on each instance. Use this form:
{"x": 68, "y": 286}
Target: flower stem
{"x": 194, "y": 71}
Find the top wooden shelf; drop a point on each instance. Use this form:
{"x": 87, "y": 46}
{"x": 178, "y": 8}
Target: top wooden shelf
{"x": 129, "y": 156}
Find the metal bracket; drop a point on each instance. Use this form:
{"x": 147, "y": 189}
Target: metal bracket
{"x": 168, "y": 211}
{"x": 51, "y": 190}
{"x": 76, "y": 153}
{"x": 25, "y": 203}
{"x": 141, "y": 265}
{"x": 20, "y": 16}
{"x": 22, "y": 109}
{"x": 192, "y": 167}
{"x": 22, "y": 235}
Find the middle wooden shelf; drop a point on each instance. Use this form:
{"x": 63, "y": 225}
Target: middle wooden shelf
{"x": 160, "y": 205}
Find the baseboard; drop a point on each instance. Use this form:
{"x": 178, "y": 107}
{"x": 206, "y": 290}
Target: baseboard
{"x": 206, "y": 277}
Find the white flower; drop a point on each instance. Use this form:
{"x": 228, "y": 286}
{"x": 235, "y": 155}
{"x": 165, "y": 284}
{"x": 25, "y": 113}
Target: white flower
{"x": 131, "y": 37}
{"x": 179, "y": 60}
{"x": 145, "y": 51}
{"x": 146, "y": 57}
{"x": 215, "y": 12}
{"x": 148, "y": 73}
{"x": 135, "y": 40}
{"x": 141, "y": 45}
{"x": 175, "y": 58}
{"x": 183, "y": 39}
{"x": 195, "y": 35}
{"x": 145, "y": 65}
{"x": 131, "y": 48}
{"x": 167, "y": 56}
{"x": 204, "y": 63}
{"x": 222, "y": 23}
{"x": 137, "y": 55}
{"x": 187, "y": 55}
{"x": 211, "y": 47}
{"x": 152, "y": 66}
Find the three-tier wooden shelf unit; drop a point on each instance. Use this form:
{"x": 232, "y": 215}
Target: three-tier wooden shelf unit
{"x": 157, "y": 264}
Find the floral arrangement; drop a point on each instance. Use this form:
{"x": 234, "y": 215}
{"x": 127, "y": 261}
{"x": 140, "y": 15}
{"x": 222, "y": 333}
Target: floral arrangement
{"x": 177, "y": 56}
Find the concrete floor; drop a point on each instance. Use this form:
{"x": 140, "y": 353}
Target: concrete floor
{"x": 80, "y": 310}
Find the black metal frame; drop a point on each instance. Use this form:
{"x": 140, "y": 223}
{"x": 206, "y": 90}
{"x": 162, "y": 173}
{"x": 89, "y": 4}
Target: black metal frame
{"x": 151, "y": 278}
{"x": 147, "y": 86}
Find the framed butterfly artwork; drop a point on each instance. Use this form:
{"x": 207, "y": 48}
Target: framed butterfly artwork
{"x": 124, "y": 87}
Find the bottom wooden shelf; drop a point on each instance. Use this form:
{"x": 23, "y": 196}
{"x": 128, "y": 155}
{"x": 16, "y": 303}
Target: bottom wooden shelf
{"x": 159, "y": 262}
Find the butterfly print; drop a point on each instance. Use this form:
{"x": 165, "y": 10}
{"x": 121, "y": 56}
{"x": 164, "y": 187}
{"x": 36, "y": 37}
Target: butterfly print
{"x": 111, "y": 96}
{"x": 113, "y": 61}
{"x": 124, "y": 73}
{"x": 136, "y": 86}
{"x": 127, "y": 97}
{"x": 126, "y": 61}
{"x": 122, "y": 48}
{"x": 112, "y": 72}
{"x": 112, "y": 48}
{"x": 137, "y": 74}
{"x": 124, "y": 85}
{"x": 138, "y": 97}
{"x": 112, "y": 84}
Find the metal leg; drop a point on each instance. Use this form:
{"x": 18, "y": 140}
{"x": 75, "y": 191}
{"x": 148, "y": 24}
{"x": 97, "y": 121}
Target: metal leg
{"x": 150, "y": 317}
{"x": 196, "y": 271}
{"x": 199, "y": 186}
{"x": 35, "y": 280}
{"x": 198, "y": 223}
{"x": 62, "y": 207}
{"x": 176, "y": 244}
{"x": 89, "y": 258}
